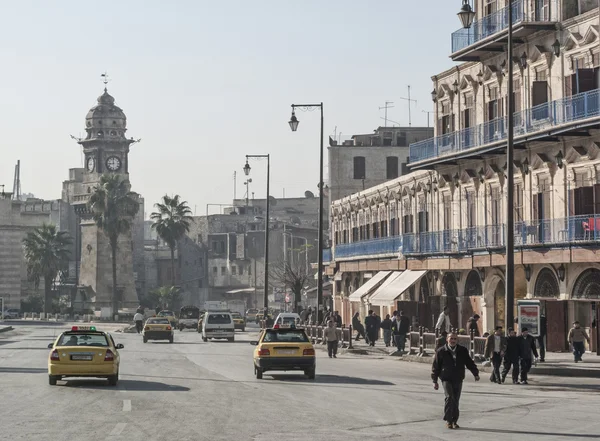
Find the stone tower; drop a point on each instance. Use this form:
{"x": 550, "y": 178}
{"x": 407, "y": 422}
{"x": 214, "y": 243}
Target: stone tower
{"x": 105, "y": 150}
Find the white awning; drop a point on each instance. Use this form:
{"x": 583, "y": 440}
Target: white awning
{"x": 326, "y": 285}
{"x": 388, "y": 293}
{"x": 368, "y": 286}
{"x": 237, "y": 291}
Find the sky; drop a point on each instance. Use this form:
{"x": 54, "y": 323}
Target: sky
{"x": 205, "y": 83}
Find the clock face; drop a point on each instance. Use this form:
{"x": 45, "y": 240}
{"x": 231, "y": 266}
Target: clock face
{"x": 113, "y": 163}
{"x": 91, "y": 164}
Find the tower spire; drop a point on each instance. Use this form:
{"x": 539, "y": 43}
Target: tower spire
{"x": 105, "y": 80}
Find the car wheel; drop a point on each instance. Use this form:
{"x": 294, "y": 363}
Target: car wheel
{"x": 231, "y": 339}
{"x": 145, "y": 340}
{"x": 259, "y": 373}
{"x": 52, "y": 379}
{"x": 113, "y": 380}
{"x": 204, "y": 339}
{"x": 310, "y": 374}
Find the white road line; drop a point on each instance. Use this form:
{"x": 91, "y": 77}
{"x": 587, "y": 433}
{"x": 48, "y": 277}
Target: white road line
{"x": 126, "y": 405}
{"x": 118, "y": 429}
{"x": 123, "y": 390}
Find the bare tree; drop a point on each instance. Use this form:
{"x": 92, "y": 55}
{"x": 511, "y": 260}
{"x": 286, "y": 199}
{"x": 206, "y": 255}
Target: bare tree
{"x": 294, "y": 275}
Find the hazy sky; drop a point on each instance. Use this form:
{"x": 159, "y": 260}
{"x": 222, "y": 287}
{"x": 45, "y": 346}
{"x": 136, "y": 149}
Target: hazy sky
{"x": 204, "y": 83}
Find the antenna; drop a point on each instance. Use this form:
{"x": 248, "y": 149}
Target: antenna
{"x": 386, "y": 107}
{"x": 427, "y": 112}
{"x": 16, "y": 194}
{"x": 409, "y": 101}
{"x": 234, "y": 184}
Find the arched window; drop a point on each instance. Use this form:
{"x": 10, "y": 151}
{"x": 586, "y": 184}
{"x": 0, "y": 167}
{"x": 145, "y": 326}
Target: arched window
{"x": 546, "y": 284}
{"x": 587, "y": 285}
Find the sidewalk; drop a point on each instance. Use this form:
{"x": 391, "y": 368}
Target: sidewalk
{"x": 556, "y": 363}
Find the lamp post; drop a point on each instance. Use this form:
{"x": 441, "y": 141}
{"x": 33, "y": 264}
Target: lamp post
{"x": 466, "y": 16}
{"x": 247, "y": 173}
{"x": 294, "y": 126}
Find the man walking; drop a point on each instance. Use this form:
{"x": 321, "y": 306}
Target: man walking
{"x": 331, "y": 335}
{"x": 542, "y": 337}
{"x": 495, "y": 347}
{"x": 526, "y": 349}
{"x": 372, "y": 327}
{"x": 511, "y": 356}
{"x": 400, "y": 329}
{"x": 386, "y": 325}
{"x": 576, "y": 338}
{"x": 358, "y": 327}
{"x": 138, "y": 318}
{"x": 449, "y": 365}
{"x": 443, "y": 321}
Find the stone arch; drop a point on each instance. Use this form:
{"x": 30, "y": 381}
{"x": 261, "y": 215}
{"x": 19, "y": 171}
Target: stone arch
{"x": 449, "y": 285}
{"x": 587, "y": 285}
{"x": 493, "y": 295}
{"x": 473, "y": 286}
{"x": 546, "y": 284}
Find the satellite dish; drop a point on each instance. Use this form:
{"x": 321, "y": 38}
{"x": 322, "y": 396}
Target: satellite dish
{"x": 309, "y": 194}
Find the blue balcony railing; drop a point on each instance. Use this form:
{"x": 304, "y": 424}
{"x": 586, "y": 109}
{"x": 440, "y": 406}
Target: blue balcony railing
{"x": 578, "y": 107}
{"x": 487, "y": 26}
{"x": 574, "y": 230}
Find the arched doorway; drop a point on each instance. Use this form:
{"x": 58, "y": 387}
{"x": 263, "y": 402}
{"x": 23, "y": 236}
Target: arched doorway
{"x": 546, "y": 284}
{"x": 424, "y": 290}
{"x": 449, "y": 299}
{"x": 473, "y": 284}
{"x": 586, "y": 298}
{"x": 449, "y": 285}
{"x": 471, "y": 304}
{"x": 499, "y": 304}
{"x": 587, "y": 285}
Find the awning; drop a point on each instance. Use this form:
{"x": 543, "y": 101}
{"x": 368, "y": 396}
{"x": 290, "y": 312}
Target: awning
{"x": 368, "y": 286}
{"x": 326, "y": 285}
{"x": 238, "y": 291}
{"x": 388, "y": 293}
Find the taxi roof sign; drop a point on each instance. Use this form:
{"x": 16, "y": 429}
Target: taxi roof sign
{"x": 83, "y": 328}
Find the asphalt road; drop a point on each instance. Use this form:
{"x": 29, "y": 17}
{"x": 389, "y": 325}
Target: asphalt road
{"x": 192, "y": 390}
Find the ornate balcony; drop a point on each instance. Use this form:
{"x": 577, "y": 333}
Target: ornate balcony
{"x": 552, "y": 118}
{"x": 575, "y": 230}
{"x": 489, "y": 34}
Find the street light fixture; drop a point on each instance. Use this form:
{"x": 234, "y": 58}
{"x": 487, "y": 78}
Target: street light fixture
{"x": 294, "y": 126}
{"x": 247, "y": 172}
{"x": 466, "y": 16}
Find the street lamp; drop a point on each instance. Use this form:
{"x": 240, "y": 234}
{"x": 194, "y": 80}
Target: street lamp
{"x": 294, "y": 126}
{"x": 247, "y": 173}
{"x": 466, "y": 16}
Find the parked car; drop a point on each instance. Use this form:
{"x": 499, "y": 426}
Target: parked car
{"x": 11, "y": 314}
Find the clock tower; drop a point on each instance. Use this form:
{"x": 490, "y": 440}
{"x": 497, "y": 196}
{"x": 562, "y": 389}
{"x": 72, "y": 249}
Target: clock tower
{"x": 106, "y": 151}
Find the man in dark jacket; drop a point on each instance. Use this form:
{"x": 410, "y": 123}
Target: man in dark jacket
{"x": 526, "y": 350}
{"x": 495, "y": 347}
{"x": 511, "y": 356}
{"x": 372, "y": 327}
{"x": 472, "y": 326}
{"x": 338, "y": 319}
{"x": 358, "y": 326}
{"x": 449, "y": 365}
{"x": 400, "y": 329}
{"x": 542, "y": 337}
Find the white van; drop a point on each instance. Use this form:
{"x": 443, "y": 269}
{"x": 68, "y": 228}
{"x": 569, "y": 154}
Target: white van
{"x": 218, "y": 324}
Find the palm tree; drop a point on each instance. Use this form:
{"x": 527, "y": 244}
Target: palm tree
{"x": 113, "y": 206}
{"x": 171, "y": 222}
{"x": 46, "y": 252}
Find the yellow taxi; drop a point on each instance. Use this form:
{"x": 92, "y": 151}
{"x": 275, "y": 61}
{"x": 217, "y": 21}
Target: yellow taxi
{"x": 169, "y": 315}
{"x": 284, "y": 349}
{"x": 158, "y": 328}
{"x": 238, "y": 321}
{"x": 84, "y": 352}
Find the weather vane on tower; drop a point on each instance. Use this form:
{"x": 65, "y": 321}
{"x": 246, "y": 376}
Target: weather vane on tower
{"x": 105, "y": 79}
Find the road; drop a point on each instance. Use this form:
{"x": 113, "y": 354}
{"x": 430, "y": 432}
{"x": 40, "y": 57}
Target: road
{"x": 192, "y": 390}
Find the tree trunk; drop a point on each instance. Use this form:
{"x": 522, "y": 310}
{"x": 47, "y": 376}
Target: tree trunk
{"x": 172, "y": 266}
{"x": 115, "y": 306}
{"x": 47, "y": 296}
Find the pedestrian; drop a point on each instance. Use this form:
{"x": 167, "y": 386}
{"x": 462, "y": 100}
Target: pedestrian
{"x": 511, "y": 356}
{"x": 443, "y": 321}
{"x": 372, "y": 327}
{"x": 472, "y": 326}
{"x": 305, "y": 314}
{"x": 526, "y": 350}
{"x": 138, "y": 318}
{"x": 338, "y": 319}
{"x": 449, "y": 366}
{"x": 576, "y": 338}
{"x": 386, "y": 325}
{"x": 542, "y": 337}
{"x": 441, "y": 340}
{"x": 358, "y": 327}
{"x": 331, "y": 335}
{"x": 495, "y": 348}
{"x": 401, "y": 330}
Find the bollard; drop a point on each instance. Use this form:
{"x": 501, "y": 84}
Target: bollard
{"x": 420, "y": 341}
{"x": 350, "y": 337}
{"x": 472, "y": 343}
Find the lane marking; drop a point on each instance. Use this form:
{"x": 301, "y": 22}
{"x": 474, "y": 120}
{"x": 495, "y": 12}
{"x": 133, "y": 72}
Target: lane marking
{"x": 122, "y": 390}
{"x": 126, "y": 405}
{"x": 118, "y": 429}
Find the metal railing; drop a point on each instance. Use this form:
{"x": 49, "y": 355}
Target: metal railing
{"x": 424, "y": 343}
{"x": 542, "y": 11}
{"x": 579, "y": 229}
{"x": 547, "y": 115}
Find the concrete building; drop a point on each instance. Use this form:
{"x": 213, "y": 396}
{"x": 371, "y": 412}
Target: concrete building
{"x": 371, "y": 159}
{"x": 437, "y": 235}
{"x": 17, "y": 218}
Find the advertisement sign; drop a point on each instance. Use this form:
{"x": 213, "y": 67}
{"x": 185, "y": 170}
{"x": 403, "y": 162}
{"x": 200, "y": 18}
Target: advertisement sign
{"x": 528, "y": 313}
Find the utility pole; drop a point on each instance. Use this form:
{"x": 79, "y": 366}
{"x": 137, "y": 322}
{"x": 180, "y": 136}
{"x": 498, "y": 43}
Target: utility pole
{"x": 386, "y": 107}
{"x": 427, "y": 112}
{"x": 409, "y": 102}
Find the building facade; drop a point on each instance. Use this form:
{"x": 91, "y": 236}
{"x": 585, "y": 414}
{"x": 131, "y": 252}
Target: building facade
{"x": 436, "y": 237}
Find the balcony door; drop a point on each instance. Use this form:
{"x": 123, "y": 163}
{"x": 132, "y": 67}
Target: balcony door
{"x": 539, "y": 96}
{"x": 542, "y": 10}
{"x": 542, "y": 213}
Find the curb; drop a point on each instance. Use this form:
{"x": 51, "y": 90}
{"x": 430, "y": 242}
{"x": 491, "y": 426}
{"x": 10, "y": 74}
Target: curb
{"x": 7, "y": 328}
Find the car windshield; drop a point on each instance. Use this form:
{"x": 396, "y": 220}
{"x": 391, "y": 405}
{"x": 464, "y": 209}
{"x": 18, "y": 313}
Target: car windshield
{"x": 289, "y": 320}
{"x": 190, "y": 313}
{"x": 83, "y": 340}
{"x": 157, "y": 321}
{"x": 287, "y": 336}
{"x": 219, "y": 319}
{"x": 165, "y": 314}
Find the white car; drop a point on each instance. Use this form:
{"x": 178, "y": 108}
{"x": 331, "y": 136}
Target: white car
{"x": 218, "y": 324}
{"x": 11, "y": 314}
{"x": 287, "y": 319}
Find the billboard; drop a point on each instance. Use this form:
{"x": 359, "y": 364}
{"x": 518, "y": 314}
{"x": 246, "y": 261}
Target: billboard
{"x": 528, "y": 313}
